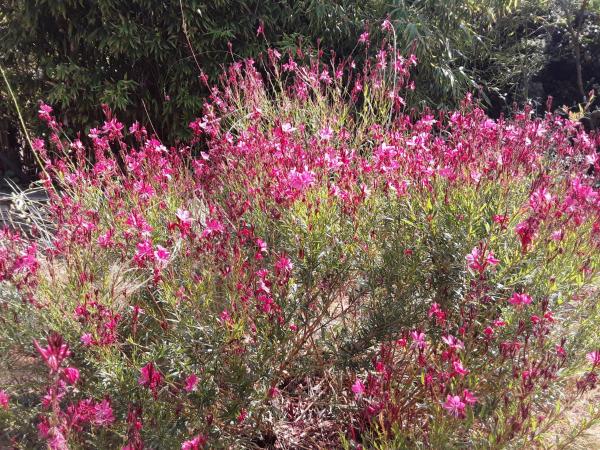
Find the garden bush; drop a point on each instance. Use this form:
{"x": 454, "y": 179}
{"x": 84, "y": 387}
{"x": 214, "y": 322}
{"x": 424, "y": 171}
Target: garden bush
{"x": 318, "y": 267}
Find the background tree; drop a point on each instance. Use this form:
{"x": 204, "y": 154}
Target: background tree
{"x": 143, "y": 57}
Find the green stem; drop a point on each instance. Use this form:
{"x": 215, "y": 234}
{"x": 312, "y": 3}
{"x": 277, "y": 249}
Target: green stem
{"x": 21, "y": 120}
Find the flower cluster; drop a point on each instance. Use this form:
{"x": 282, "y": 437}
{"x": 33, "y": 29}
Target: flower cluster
{"x": 314, "y": 258}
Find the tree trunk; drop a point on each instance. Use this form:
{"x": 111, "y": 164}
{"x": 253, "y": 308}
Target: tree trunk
{"x": 577, "y": 51}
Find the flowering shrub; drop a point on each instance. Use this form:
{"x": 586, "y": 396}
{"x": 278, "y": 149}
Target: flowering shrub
{"x": 317, "y": 267}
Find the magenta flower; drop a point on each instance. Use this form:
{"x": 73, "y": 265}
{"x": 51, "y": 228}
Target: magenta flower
{"x": 213, "y": 226}
{"x": 358, "y": 388}
{"x": 161, "y": 255}
{"x": 45, "y": 114}
{"x": 287, "y": 128}
{"x": 4, "y": 399}
{"x": 478, "y": 261}
{"x": 150, "y": 378}
{"x": 526, "y": 232}
{"x": 453, "y": 343}
{"x": 103, "y": 413}
{"x": 491, "y": 260}
{"x": 500, "y": 219}
{"x": 386, "y": 25}
{"x": 86, "y": 339}
{"x": 225, "y": 317}
{"x": 418, "y": 338}
{"x": 469, "y": 398}
{"x": 301, "y": 180}
{"x": 473, "y": 259}
{"x": 594, "y": 357}
{"x": 184, "y": 217}
{"x": 243, "y": 415}
{"x": 191, "y": 382}
{"x": 55, "y": 352}
{"x": 283, "y": 266}
{"x": 143, "y": 250}
{"x": 273, "y": 392}
{"x": 261, "y": 29}
{"x": 436, "y": 310}
{"x": 194, "y": 444}
{"x": 455, "y": 406}
{"x": 459, "y": 368}
{"x": 519, "y": 300}
{"x": 326, "y": 133}
{"x": 71, "y": 375}
{"x": 262, "y": 246}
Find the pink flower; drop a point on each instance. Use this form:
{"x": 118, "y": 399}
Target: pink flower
{"x": 184, "y": 217}
{"x": 453, "y": 343}
{"x": 478, "y": 262}
{"x": 326, "y": 133}
{"x": 105, "y": 240}
{"x": 454, "y": 406}
{"x": 459, "y": 369}
{"x": 262, "y": 246}
{"x": 473, "y": 259}
{"x": 143, "y": 250}
{"x": 261, "y": 29}
{"x": 71, "y": 374}
{"x": 358, "y": 388}
{"x": 519, "y": 300}
{"x": 440, "y": 315}
{"x": 86, "y": 339}
{"x": 213, "y": 226}
{"x": 194, "y": 444}
{"x": 273, "y": 392}
{"x": 57, "y": 440}
{"x": 137, "y": 222}
{"x": 386, "y": 25}
{"x": 150, "y": 378}
{"x": 491, "y": 259}
{"x": 283, "y": 266}
{"x": 526, "y": 232}
{"x": 500, "y": 219}
{"x": 469, "y": 398}
{"x": 225, "y": 317}
{"x": 55, "y": 352}
{"x": 418, "y": 338}
{"x": 301, "y": 180}
{"x": 4, "y": 399}
{"x": 287, "y": 128}
{"x": 161, "y": 255}
{"x": 191, "y": 382}
{"x": 594, "y": 357}
{"x": 364, "y": 37}
{"x": 103, "y": 413}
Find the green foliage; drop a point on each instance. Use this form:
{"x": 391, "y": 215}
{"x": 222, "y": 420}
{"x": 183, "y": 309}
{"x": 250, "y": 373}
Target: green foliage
{"x": 134, "y": 55}
{"x": 144, "y": 57}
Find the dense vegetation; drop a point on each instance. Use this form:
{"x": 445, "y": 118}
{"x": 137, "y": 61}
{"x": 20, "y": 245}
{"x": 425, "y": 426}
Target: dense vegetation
{"x": 314, "y": 268}
{"x": 300, "y": 224}
{"x": 145, "y": 59}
